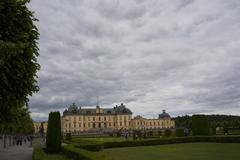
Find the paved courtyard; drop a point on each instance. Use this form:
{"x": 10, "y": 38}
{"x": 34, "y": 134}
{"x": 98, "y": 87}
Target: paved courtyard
{"x": 23, "y": 152}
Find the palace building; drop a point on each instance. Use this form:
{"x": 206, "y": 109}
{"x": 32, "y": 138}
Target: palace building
{"x": 38, "y": 126}
{"x": 77, "y": 119}
{"x": 86, "y": 120}
{"x": 163, "y": 121}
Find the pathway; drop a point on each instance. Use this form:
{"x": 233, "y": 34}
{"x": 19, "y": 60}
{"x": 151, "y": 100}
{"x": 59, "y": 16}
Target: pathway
{"x": 23, "y": 152}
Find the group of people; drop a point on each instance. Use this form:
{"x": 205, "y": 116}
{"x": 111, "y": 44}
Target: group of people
{"x": 19, "y": 140}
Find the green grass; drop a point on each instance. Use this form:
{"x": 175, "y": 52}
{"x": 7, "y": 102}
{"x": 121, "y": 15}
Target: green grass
{"x": 190, "y": 151}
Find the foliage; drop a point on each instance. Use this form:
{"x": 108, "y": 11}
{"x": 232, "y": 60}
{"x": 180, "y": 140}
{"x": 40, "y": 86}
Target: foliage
{"x": 39, "y": 154}
{"x": 225, "y": 121}
{"x": 81, "y": 154}
{"x": 54, "y": 133}
{"x": 216, "y": 139}
{"x": 200, "y": 125}
{"x": 137, "y": 134}
{"x": 68, "y": 137}
{"x": 167, "y": 133}
{"x": 159, "y": 133}
{"x": 18, "y": 60}
{"x": 179, "y": 132}
{"x": 91, "y": 147}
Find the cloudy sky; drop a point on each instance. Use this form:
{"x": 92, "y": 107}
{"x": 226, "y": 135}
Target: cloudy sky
{"x": 178, "y": 55}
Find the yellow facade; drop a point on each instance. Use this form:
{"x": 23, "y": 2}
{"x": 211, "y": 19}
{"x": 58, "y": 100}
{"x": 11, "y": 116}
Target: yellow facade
{"x": 77, "y": 120}
{"x": 139, "y": 123}
{"x": 38, "y": 125}
{"x": 90, "y": 120}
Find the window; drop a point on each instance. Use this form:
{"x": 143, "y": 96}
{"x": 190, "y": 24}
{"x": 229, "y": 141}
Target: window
{"x": 79, "y": 119}
{"x": 93, "y": 118}
{"x": 120, "y": 123}
{"x": 94, "y": 125}
{"x": 99, "y": 118}
{"x": 89, "y": 119}
{"x": 79, "y": 124}
{"x": 110, "y": 124}
{"x": 105, "y": 118}
{"x": 120, "y": 118}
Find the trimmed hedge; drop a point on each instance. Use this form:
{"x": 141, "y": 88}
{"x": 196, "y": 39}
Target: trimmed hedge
{"x": 81, "y": 154}
{"x": 179, "y": 132}
{"x": 215, "y": 139}
{"x": 54, "y": 136}
{"x": 38, "y": 154}
{"x": 200, "y": 126}
{"x": 91, "y": 147}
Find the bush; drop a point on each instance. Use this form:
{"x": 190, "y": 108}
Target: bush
{"x": 159, "y": 133}
{"x": 38, "y": 154}
{"x": 215, "y": 139}
{"x": 179, "y": 132}
{"x": 54, "y": 133}
{"x": 80, "y": 154}
{"x": 68, "y": 137}
{"x": 200, "y": 125}
{"x": 167, "y": 133}
{"x": 91, "y": 147}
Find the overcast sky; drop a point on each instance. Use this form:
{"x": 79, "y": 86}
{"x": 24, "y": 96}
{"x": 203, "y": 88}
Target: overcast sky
{"x": 178, "y": 55}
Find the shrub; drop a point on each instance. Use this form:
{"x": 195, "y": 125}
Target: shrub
{"x": 38, "y": 154}
{"x": 159, "y": 133}
{"x": 215, "y": 139}
{"x": 200, "y": 125}
{"x": 81, "y": 154}
{"x": 54, "y": 133}
{"x": 167, "y": 133}
{"x": 179, "y": 132}
{"x": 91, "y": 147}
{"x": 68, "y": 137}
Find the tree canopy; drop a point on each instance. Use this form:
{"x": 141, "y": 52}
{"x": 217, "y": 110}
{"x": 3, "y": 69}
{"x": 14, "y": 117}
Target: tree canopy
{"x": 18, "y": 59}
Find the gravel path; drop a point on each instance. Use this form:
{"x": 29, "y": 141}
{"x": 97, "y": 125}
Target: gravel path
{"x": 23, "y": 152}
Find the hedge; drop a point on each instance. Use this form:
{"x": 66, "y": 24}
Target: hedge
{"x": 81, "y": 154}
{"x": 179, "y": 132}
{"x": 38, "y": 154}
{"x": 91, "y": 147}
{"x": 215, "y": 139}
{"x": 53, "y": 141}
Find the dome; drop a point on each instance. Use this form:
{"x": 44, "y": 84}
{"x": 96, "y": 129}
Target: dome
{"x": 164, "y": 114}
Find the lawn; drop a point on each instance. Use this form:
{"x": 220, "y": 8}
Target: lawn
{"x": 189, "y": 151}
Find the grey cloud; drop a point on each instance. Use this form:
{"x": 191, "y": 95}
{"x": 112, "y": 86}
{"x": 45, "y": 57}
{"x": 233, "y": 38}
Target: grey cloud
{"x": 182, "y": 56}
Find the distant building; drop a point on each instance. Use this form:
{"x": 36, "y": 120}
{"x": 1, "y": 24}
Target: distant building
{"x": 163, "y": 121}
{"x": 77, "y": 119}
{"x": 39, "y": 125}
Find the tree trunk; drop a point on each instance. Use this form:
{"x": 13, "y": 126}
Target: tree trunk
{"x": 4, "y": 141}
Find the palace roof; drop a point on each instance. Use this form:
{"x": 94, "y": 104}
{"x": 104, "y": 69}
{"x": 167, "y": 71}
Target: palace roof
{"x": 74, "y": 110}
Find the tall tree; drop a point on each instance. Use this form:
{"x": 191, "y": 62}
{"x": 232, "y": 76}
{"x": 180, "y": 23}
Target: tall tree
{"x": 18, "y": 58}
{"x": 200, "y": 126}
{"x": 54, "y": 132}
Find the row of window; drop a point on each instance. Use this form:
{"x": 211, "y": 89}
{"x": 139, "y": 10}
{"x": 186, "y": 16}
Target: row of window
{"x": 154, "y": 123}
{"x": 99, "y": 118}
{"x": 96, "y": 124}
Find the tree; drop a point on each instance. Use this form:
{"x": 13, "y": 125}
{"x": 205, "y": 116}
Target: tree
{"x": 18, "y": 59}
{"x": 200, "y": 126}
{"x": 54, "y": 133}
{"x": 167, "y": 133}
{"x": 179, "y": 132}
